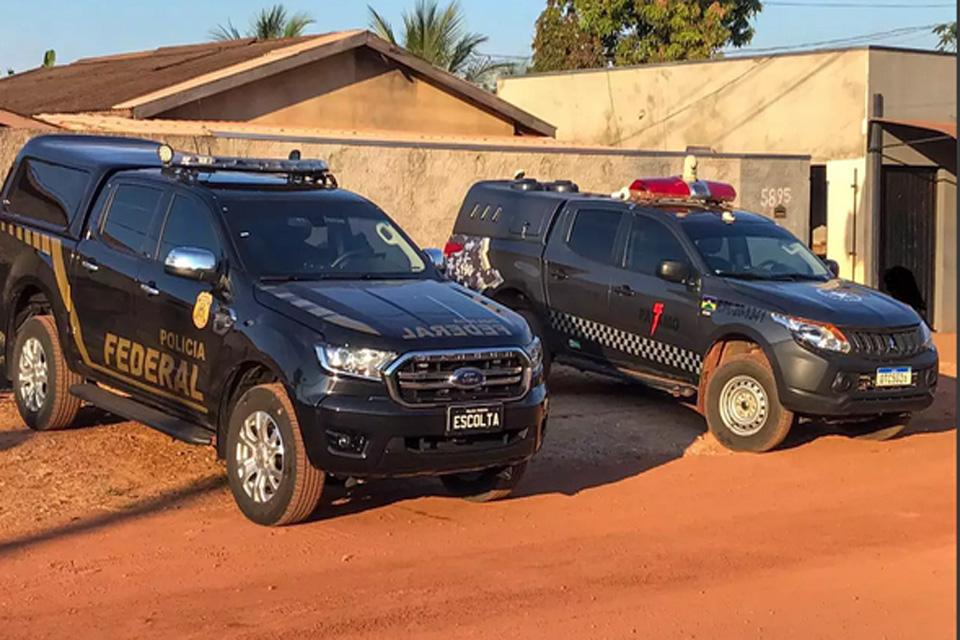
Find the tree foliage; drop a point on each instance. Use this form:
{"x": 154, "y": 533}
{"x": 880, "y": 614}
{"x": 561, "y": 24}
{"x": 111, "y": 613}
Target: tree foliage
{"x": 268, "y": 24}
{"x": 623, "y": 32}
{"x": 49, "y": 58}
{"x": 439, "y": 36}
{"x": 948, "y": 36}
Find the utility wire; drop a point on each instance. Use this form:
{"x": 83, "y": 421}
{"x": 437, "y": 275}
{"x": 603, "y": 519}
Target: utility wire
{"x": 851, "y": 40}
{"x": 855, "y": 5}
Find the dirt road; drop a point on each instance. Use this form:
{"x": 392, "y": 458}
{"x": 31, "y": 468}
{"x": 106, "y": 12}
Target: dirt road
{"x": 628, "y": 525}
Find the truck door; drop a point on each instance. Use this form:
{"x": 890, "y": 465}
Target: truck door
{"x": 103, "y": 285}
{"x": 176, "y": 314}
{"x": 659, "y": 319}
{"x": 579, "y": 263}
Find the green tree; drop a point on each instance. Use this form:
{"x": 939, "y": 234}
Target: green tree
{"x": 643, "y": 31}
{"x": 439, "y": 36}
{"x": 49, "y": 58}
{"x": 268, "y": 24}
{"x": 948, "y": 36}
{"x": 561, "y": 43}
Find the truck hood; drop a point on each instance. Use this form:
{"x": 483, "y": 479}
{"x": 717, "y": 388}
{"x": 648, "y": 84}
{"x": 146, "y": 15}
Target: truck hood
{"x": 397, "y": 315}
{"x": 836, "y": 301}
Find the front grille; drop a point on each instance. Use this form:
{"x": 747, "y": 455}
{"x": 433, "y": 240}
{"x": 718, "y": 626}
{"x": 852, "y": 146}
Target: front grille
{"x": 427, "y": 378}
{"x": 885, "y": 343}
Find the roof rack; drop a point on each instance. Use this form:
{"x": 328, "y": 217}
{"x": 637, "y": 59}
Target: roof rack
{"x": 297, "y": 171}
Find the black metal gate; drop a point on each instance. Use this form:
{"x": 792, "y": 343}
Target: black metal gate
{"x": 908, "y": 227}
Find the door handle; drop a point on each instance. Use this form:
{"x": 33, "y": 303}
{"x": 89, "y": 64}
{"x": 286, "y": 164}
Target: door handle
{"x": 559, "y": 274}
{"x": 624, "y": 290}
{"x": 149, "y": 289}
{"x": 90, "y": 265}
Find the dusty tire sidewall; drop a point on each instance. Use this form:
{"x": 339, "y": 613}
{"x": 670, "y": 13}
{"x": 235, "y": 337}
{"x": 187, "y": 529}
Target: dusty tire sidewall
{"x": 261, "y": 399}
{"x": 37, "y": 420}
{"x": 769, "y": 435}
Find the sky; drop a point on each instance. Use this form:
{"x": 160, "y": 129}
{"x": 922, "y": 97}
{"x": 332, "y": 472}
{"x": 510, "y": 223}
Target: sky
{"x": 84, "y": 28}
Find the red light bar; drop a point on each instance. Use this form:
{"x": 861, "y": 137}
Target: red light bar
{"x": 452, "y": 248}
{"x": 676, "y": 189}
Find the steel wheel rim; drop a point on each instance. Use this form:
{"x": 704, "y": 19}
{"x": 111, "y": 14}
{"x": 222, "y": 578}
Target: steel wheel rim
{"x": 259, "y": 456}
{"x": 743, "y": 406}
{"x": 33, "y": 375}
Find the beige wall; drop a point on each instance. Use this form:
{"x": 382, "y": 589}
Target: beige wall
{"x": 811, "y": 104}
{"x": 422, "y": 188}
{"x": 354, "y": 90}
{"x": 945, "y": 283}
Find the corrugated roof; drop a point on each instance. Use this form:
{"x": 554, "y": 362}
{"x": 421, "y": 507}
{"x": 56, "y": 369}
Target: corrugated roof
{"x": 145, "y": 84}
{"x": 97, "y": 84}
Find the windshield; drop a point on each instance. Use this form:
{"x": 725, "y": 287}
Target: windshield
{"x": 754, "y": 251}
{"x": 307, "y": 237}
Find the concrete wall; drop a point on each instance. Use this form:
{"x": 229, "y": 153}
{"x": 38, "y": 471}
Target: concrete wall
{"x": 354, "y": 90}
{"x": 423, "y": 187}
{"x": 845, "y": 198}
{"x": 811, "y": 104}
{"x": 915, "y": 86}
{"x": 945, "y": 283}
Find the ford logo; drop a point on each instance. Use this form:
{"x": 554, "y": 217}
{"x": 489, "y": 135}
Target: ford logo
{"x": 467, "y": 378}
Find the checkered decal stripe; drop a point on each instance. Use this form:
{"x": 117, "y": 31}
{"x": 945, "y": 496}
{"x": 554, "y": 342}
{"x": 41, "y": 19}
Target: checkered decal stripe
{"x": 631, "y": 343}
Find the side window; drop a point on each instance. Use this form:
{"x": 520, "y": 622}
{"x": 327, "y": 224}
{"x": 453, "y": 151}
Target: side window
{"x": 128, "y": 220}
{"x": 47, "y": 192}
{"x": 650, "y": 244}
{"x": 594, "y": 234}
{"x": 188, "y": 225}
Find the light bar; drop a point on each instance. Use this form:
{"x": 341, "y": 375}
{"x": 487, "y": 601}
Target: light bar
{"x": 676, "y": 189}
{"x": 177, "y": 160}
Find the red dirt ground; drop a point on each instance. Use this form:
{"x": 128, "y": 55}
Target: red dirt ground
{"x": 629, "y": 524}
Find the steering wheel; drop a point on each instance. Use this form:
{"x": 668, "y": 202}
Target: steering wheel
{"x": 344, "y": 258}
{"x": 772, "y": 266}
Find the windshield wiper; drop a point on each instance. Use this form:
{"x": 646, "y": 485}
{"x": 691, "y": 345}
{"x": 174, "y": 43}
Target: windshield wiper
{"x": 292, "y": 277}
{"x": 739, "y": 275}
{"x": 775, "y": 277}
{"x": 795, "y": 277}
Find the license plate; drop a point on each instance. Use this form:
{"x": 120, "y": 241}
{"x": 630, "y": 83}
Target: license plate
{"x": 894, "y": 377}
{"x": 474, "y": 419}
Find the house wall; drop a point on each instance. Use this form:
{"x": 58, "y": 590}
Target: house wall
{"x": 422, "y": 188}
{"x": 811, "y": 104}
{"x": 356, "y": 89}
{"x": 915, "y": 86}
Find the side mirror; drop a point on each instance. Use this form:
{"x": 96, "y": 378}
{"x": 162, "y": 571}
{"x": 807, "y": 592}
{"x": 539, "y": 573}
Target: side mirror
{"x": 673, "y": 271}
{"x": 191, "y": 263}
{"x": 436, "y": 259}
{"x": 834, "y": 267}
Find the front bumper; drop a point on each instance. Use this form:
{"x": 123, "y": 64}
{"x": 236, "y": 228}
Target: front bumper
{"x": 808, "y": 383}
{"x": 392, "y": 441}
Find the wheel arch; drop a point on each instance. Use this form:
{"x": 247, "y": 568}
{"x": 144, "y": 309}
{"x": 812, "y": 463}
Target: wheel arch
{"x": 727, "y": 342}
{"x": 243, "y": 376}
{"x": 28, "y": 297}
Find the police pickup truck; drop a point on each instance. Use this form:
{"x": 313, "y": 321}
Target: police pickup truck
{"x": 253, "y": 305}
{"x": 667, "y": 284}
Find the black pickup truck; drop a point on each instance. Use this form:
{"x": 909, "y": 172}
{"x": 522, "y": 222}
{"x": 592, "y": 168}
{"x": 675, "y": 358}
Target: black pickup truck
{"x": 667, "y": 284}
{"x": 253, "y": 305}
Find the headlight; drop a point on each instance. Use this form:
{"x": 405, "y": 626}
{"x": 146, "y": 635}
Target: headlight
{"x": 357, "y": 362}
{"x": 925, "y": 334}
{"x": 535, "y": 353}
{"x": 820, "y": 335}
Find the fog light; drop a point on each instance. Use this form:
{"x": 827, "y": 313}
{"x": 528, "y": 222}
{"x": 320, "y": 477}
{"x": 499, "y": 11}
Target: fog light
{"x": 345, "y": 442}
{"x": 843, "y": 382}
{"x": 931, "y": 377}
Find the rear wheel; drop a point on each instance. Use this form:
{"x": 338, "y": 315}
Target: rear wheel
{"x": 743, "y": 408}
{"x": 487, "y": 485}
{"x": 537, "y": 330}
{"x": 41, "y": 378}
{"x": 269, "y": 473}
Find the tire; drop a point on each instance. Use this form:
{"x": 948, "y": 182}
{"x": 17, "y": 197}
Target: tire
{"x": 264, "y": 418}
{"x": 743, "y": 408}
{"x": 537, "y": 329}
{"x": 41, "y": 378}
{"x": 487, "y": 485}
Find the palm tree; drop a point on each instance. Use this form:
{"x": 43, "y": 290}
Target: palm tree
{"x": 439, "y": 37}
{"x": 267, "y": 25}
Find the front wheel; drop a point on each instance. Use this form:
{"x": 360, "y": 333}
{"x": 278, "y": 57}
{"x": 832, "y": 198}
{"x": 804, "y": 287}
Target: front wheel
{"x": 42, "y": 379}
{"x": 743, "y": 408}
{"x": 268, "y": 471}
{"x": 487, "y": 485}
